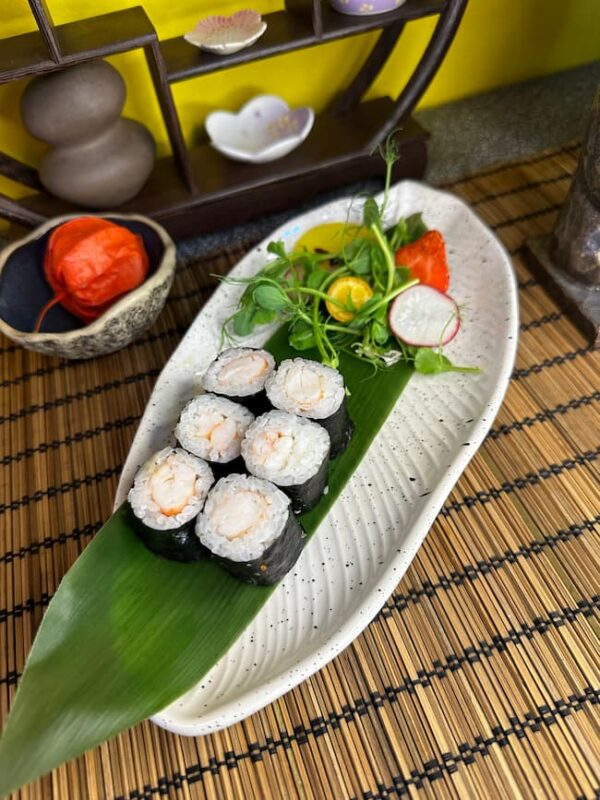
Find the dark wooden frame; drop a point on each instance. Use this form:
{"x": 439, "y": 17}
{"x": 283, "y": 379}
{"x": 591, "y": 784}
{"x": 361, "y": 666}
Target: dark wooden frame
{"x": 196, "y": 189}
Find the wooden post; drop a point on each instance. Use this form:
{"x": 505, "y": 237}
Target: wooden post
{"x": 46, "y": 27}
{"x": 156, "y": 65}
{"x": 430, "y": 62}
{"x": 376, "y": 60}
{"x": 13, "y": 211}
{"x": 18, "y": 171}
{"x": 310, "y": 10}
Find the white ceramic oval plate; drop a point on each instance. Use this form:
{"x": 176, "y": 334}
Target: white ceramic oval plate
{"x": 365, "y": 544}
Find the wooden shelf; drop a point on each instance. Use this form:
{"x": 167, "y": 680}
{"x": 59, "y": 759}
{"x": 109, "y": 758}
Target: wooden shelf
{"x": 83, "y": 40}
{"x": 338, "y": 151}
{"x": 198, "y": 190}
{"x": 183, "y": 60}
{"x": 286, "y": 32}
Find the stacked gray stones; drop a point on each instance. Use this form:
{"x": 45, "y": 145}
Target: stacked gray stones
{"x": 97, "y": 159}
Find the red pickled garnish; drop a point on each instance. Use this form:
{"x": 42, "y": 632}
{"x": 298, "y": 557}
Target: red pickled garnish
{"x": 426, "y": 260}
{"x": 89, "y": 263}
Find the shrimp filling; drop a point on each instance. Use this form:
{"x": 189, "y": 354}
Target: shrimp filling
{"x": 213, "y": 427}
{"x": 242, "y": 517}
{"x": 274, "y": 448}
{"x": 222, "y": 432}
{"x": 172, "y": 486}
{"x": 170, "y": 489}
{"x": 307, "y": 388}
{"x": 239, "y": 372}
{"x": 285, "y": 448}
{"x": 243, "y": 370}
{"x": 240, "y": 514}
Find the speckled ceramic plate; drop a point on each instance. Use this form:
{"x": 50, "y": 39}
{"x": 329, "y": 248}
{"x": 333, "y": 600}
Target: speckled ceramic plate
{"x": 388, "y": 506}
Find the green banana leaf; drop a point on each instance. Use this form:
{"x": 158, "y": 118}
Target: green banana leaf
{"x": 126, "y": 632}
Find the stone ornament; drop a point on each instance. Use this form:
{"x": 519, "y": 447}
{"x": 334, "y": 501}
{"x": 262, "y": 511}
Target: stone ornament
{"x": 569, "y": 258}
{"x": 97, "y": 159}
{"x": 576, "y": 240}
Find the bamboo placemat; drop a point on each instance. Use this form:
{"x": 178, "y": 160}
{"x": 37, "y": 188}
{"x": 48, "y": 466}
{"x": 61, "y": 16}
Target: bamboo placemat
{"x": 480, "y": 676}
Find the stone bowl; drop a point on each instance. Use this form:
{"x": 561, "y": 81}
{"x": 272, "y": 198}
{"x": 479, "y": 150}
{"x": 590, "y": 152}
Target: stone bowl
{"x": 24, "y": 292}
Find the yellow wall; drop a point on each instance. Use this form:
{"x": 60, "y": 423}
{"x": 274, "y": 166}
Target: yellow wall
{"x": 499, "y": 42}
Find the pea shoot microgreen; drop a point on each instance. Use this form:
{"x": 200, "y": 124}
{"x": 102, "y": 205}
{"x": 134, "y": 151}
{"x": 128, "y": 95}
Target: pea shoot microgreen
{"x": 292, "y": 289}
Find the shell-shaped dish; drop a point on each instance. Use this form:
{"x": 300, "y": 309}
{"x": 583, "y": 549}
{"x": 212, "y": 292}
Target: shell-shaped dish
{"x": 364, "y": 8}
{"x": 226, "y": 35}
{"x": 263, "y": 130}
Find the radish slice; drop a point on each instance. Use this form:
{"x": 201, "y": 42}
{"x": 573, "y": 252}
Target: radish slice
{"x": 424, "y": 317}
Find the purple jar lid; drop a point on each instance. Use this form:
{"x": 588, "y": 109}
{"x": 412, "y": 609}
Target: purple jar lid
{"x": 365, "y": 7}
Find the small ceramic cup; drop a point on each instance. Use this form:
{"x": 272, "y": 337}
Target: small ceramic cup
{"x": 24, "y": 292}
{"x": 361, "y": 8}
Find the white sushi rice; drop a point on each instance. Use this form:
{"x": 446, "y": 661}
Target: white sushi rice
{"x": 306, "y": 387}
{"x": 242, "y": 517}
{"x": 285, "y": 448}
{"x": 213, "y": 427}
{"x": 174, "y": 477}
{"x": 239, "y": 372}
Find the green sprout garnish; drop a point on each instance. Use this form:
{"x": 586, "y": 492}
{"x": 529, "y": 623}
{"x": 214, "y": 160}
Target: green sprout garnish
{"x": 292, "y": 290}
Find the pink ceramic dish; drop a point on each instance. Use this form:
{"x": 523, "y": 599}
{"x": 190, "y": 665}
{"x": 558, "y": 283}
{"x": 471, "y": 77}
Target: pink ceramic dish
{"x": 226, "y": 35}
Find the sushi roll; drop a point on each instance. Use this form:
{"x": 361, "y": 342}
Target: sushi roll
{"x": 313, "y": 390}
{"x": 167, "y": 495}
{"x": 248, "y": 526}
{"x": 292, "y": 453}
{"x": 212, "y": 428}
{"x": 239, "y": 373}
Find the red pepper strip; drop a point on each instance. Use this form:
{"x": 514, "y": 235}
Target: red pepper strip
{"x": 426, "y": 260}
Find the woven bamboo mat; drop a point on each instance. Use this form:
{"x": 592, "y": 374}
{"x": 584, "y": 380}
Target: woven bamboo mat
{"x": 480, "y": 678}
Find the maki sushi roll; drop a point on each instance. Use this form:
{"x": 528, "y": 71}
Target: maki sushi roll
{"x": 248, "y": 527}
{"x": 239, "y": 373}
{"x": 292, "y": 453}
{"x": 212, "y": 428}
{"x": 167, "y": 495}
{"x": 313, "y": 390}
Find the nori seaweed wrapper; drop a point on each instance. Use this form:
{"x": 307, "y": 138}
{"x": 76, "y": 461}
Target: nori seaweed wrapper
{"x": 256, "y": 403}
{"x": 275, "y": 562}
{"x": 340, "y": 428}
{"x": 305, "y": 496}
{"x": 178, "y": 544}
{"x": 220, "y": 470}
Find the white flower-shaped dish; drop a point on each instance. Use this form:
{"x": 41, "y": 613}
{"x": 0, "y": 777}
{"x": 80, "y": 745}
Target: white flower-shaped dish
{"x": 225, "y": 35}
{"x": 263, "y": 130}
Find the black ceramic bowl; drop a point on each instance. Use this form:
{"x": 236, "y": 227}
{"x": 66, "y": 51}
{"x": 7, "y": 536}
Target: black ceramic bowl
{"x": 24, "y": 292}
